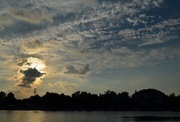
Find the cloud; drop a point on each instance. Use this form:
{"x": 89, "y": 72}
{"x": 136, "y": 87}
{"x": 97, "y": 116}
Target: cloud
{"x": 85, "y": 69}
{"x": 5, "y": 21}
{"x": 37, "y": 12}
{"x": 31, "y": 16}
{"x": 71, "y": 19}
{"x": 122, "y": 51}
{"x": 151, "y": 42}
{"x": 22, "y": 20}
{"x": 67, "y": 86}
{"x": 29, "y": 77}
{"x": 21, "y": 61}
{"x": 32, "y": 72}
{"x": 32, "y": 46}
{"x": 106, "y": 34}
{"x": 29, "y": 72}
{"x": 72, "y": 70}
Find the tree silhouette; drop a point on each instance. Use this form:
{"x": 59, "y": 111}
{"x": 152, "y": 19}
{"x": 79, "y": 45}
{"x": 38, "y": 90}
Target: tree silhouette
{"x": 2, "y": 96}
{"x": 146, "y": 99}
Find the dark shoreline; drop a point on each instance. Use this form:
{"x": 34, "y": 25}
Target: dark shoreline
{"x": 104, "y": 110}
{"x": 143, "y": 100}
{"x": 74, "y": 110}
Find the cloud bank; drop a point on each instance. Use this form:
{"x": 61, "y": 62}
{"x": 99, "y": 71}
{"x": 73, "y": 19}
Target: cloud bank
{"x": 82, "y": 38}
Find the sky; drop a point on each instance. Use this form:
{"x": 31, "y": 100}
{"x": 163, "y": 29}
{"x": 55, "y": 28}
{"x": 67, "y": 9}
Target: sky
{"x": 65, "y": 46}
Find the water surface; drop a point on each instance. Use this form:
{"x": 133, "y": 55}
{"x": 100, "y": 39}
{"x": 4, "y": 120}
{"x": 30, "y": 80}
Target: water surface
{"x": 88, "y": 116}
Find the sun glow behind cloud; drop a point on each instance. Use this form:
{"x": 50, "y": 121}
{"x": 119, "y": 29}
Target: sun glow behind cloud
{"x": 36, "y": 63}
{"x": 30, "y": 73}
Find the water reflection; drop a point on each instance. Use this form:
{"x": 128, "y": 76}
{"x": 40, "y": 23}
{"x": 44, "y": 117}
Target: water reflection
{"x": 151, "y": 119}
{"x": 21, "y": 116}
{"x": 84, "y": 116}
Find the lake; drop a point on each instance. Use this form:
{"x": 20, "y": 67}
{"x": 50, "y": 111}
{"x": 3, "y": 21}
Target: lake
{"x": 88, "y": 116}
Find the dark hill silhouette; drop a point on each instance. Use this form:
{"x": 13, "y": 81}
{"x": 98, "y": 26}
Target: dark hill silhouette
{"x": 146, "y": 99}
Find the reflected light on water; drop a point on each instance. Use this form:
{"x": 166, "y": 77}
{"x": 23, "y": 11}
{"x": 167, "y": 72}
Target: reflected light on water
{"x": 22, "y": 116}
{"x": 87, "y": 116}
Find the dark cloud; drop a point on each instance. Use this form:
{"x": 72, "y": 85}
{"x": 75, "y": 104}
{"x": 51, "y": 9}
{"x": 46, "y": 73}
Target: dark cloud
{"x": 85, "y": 69}
{"x": 32, "y": 72}
{"x": 30, "y": 76}
{"x": 21, "y": 61}
{"x": 72, "y": 70}
{"x": 33, "y": 44}
{"x": 22, "y": 20}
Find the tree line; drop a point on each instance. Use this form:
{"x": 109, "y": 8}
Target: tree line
{"x": 144, "y": 100}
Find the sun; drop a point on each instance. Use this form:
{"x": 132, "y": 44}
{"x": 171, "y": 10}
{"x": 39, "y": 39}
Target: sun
{"x": 36, "y": 63}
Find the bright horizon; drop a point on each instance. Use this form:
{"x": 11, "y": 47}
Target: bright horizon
{"x": 89, "y": 45}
